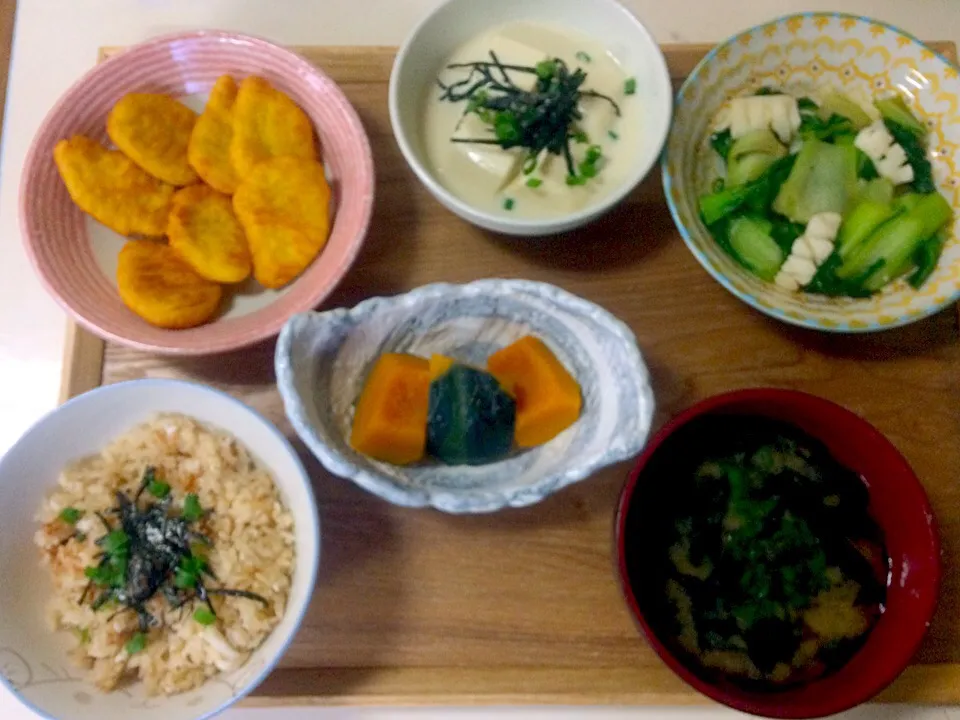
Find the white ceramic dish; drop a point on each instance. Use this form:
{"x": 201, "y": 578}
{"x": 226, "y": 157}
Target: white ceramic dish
{"x": 33, "y": 660}
{"x": 455, "y": 21}
{"x": 322, "y": 361}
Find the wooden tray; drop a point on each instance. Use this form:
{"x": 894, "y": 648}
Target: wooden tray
{"x": 417, "y": 607}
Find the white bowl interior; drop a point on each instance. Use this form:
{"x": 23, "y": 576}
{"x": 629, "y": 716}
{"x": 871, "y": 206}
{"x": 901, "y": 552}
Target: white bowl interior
{"x": 323, "y": 360}
{"x": 456, "y": 21}
{"x": 33, "y": 659}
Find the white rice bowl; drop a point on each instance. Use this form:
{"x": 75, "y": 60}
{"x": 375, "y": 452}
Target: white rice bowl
{"x": 265, "y": 539}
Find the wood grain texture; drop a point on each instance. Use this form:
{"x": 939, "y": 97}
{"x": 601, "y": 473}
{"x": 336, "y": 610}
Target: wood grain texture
{"x": 414, "y": 607}
{"x": 82, "y": 362}
{"x": 8, "y": 12}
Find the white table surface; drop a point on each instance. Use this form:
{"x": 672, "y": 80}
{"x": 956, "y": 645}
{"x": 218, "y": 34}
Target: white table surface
{"x": 57, "y": 40}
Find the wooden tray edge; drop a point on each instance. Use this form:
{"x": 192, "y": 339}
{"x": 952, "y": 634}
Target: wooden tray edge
{"x": 427, "y": 686}
{"x": 82, "y": 362}
{"x": 431, "y": 686}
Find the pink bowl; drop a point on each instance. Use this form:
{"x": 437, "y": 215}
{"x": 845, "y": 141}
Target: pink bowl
{"x": 75, "y": 256}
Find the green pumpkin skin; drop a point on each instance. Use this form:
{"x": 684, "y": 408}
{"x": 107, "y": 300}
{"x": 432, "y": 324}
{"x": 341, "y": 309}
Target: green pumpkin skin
{"x": 471, "y": 418}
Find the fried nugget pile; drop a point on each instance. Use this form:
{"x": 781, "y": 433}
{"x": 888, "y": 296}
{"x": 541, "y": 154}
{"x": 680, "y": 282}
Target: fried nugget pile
{"x": 207, "y": 199}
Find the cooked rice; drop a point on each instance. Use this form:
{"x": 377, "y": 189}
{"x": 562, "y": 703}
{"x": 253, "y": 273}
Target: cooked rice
{"x": 253, "y": 550}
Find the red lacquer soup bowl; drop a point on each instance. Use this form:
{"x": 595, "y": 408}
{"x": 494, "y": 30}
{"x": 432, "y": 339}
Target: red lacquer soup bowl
{"x": 897, "y": 503}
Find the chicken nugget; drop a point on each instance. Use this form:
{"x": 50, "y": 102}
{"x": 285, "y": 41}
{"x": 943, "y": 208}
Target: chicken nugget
{"x": 209, "y": 147}
{"x": 109, "y": 186}
{"x": 162, "y": 289}
{"x": 284, "y": 207}
{"x": 206, "y": 234}
{"x": 154, "y": 131}
{"x": 267, "y": 124}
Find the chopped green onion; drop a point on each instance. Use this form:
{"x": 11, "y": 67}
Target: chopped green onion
{"x": 189, "y": 571}
{"x": 70, "y": 515}
{"x": 613, "y": 135}
{"x": 588, "y": 170}
{"x": 594, "y": 153}
{"x": 534, "y": 182}
{"x": 115, "y": 542}
{"x": 576, "y": 180}
{"x": 630, "y": 86}
{"x": 204, "y": 616}
{"x": 477, "y": 101}
{"x": 506, "y": 127}
{"x": 185, "y": 580}
{"x": 191, "y": 508}
{"x": 508, "y": 204}
{"x": 137, "y": 643}
{"x": 94, "y": 573}
{"x": 158, "y": 489}
{"x": 581, "y": 55}
{"x": 112, "y": 573}
{"x": 581, "y": 137}
{"x": 546, "y": 69}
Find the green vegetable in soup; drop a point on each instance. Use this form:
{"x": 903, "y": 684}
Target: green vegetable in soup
{"x": 916, "y": 150}
{"x": 758, "y": 141}
{"x": 750, "y": 239}
{"x": 826, "y": 282}
{"x": 785, "y": 232}
{"x": 926, "y": 259}
{"x": 833, "y": 129}
{"x": 767, "y": 196}
{"x": 898, "y": 247}
{"x": 866, "y": 170}
{"x": 836, "y": 102}
{"x": 752, "y": 155}
{"x": 757, "y": 196}
{"x": 895, "y": 110}
{"x": 888, "y": 251}
{"x": 823, "y": 179}
{"x": 767, "y": 578}
{"x": 879, "y": 190}
{"x": 722, "y": 142}
{"x": 860, "y": 224}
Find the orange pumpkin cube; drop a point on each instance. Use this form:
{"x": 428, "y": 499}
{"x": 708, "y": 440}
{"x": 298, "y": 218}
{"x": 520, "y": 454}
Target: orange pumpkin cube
{"x": 390, "y": 421}
{"x": 439, "y": 364}
{"x": 548, "y": 396}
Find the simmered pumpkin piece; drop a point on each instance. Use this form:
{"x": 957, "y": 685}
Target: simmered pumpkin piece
{"x": 471, "y": 418}
{"x": 439, "y": 364}
{"x": 390, "y": 422}
{"x": 548, "y": 396}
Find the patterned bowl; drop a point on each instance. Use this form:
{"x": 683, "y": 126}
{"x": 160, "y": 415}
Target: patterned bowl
{"x": 76, "y": 257}
{"x": 34, "y": 662}
{"x": 323, "y": 358}
{"x": 863, "y": 57}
